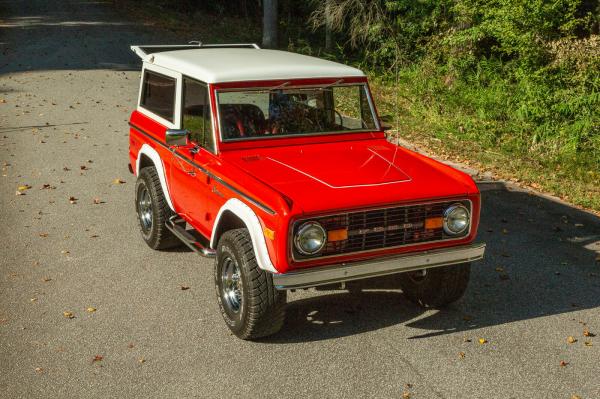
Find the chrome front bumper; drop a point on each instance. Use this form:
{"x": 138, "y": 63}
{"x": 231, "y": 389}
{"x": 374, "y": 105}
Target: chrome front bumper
{"x": 378, "y": 267}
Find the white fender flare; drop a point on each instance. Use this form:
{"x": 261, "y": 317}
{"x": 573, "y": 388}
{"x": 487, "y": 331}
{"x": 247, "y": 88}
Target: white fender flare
{"x": 158, "y": 164}
{"x": 247, "y": 215}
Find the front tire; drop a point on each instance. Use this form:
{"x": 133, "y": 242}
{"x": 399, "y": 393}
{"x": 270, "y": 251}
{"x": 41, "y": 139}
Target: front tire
{"x": 437, "y": 287}
{"x": 153, "y": 211}
{"x": 250, "y": 304}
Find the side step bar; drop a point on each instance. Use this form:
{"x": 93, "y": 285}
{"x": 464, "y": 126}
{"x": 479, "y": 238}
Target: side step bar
{"x": 177, "y": 226}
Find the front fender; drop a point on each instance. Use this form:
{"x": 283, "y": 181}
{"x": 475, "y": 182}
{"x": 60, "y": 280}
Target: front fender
{"x": 249, "y": 218}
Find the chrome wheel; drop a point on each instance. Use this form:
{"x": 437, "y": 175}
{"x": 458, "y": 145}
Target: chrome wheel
{"x": 231, "y": 282}
{"x": 144, "y": 205}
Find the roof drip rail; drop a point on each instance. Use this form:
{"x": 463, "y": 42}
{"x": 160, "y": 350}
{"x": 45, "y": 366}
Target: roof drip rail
{"x": 144, "y": 50}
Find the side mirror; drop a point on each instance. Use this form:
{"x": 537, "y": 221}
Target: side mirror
{"x": 177, "y": 137}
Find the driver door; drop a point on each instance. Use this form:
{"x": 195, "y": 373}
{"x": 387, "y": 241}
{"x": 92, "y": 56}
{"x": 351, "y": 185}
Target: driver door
{"x": 192, "y": 185}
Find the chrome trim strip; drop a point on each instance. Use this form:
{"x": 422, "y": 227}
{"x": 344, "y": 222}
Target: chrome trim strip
{"x": 206, "y": 172}
{"x": 378, "y": 267}
{"x": 316, "y": 217}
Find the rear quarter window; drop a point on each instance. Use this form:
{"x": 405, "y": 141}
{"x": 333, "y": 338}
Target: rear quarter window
{"x": 158, "y": 94}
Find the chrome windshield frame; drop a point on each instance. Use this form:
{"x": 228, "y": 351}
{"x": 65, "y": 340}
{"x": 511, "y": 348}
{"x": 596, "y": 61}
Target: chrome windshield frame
{"x": 363, "y": 85}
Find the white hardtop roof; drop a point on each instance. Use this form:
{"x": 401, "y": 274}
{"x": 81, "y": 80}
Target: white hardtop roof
{"x": 219, "y": 65}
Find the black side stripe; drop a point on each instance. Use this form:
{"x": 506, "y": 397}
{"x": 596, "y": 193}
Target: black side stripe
{"x": 206, "y": 172}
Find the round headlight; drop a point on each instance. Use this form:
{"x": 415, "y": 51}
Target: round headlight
{"x": 456, "y": 219}
{"x": 310, "y": 238}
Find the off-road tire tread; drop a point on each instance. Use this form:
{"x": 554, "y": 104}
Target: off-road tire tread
{"x": 444, "y": 285}
{"x": 265, "y": 305}
{"x": 161, "y": 237}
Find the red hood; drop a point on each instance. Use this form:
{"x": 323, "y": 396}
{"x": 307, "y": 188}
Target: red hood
{"x": 351, "y": 174}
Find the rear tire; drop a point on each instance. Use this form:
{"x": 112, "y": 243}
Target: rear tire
{"x": 251, "y": 306}
{"x": 153, "y": 211}
{"x": 438, "y": 287}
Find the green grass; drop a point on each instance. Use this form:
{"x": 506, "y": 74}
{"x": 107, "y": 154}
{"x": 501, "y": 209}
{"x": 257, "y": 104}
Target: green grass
{"x": 484, "y": 125}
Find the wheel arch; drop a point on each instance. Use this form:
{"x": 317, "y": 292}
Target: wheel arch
{"x": 148, "y": 156}
{"x": 235, "y": 214}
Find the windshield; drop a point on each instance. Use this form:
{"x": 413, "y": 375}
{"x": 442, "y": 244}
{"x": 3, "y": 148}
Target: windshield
{"x": 263, "y": 113}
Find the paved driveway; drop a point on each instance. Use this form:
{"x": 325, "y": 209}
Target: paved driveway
{"x": 67, "y": 85}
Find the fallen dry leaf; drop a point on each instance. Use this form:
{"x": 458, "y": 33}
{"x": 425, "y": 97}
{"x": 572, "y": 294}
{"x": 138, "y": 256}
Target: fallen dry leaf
{"x": 83, "y": 167}
{"x": 65, "y": 252}
{"x": 97, "y": 358}
{"x": 575, "y": 397}
{"x": 118, "y": 181}
{"x": 46, "y": 279}
{"x": 19, "y": 193}
{"x": 571, "y": 340}
{"x": 461, "y": 355}
{"x": 98, "y": 201}
{"x": 499, "y": 269}
{"x": 504, "y": 276}
{"x": 39, "y": 370}
{"x": 66, "y": 169}
{"x": 482, "y": 341}
{"x": 142, "y": 360}
{"x": 44, "y": 235}
{"x": 90, "y": 310}
{"x": 563, "y": 363}
{"x": 406, "y": 395}
{"x": 130, "y": 345}
{"x": 184, "y": 288}
{"x": 588, "y": 333}
{"x": 588, "y": 343}
{"x": 72, "y": 200}
{"x": 69, "y": 315}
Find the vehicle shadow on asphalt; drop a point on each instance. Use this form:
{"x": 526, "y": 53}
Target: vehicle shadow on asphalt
{"x": 540, "y": 261}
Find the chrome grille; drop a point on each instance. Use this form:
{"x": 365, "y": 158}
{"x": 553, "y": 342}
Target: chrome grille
{"x": 382, "y": 228}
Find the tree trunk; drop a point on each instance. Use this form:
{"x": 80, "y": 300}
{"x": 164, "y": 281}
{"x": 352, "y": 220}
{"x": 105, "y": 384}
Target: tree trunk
{"x": 269, "y": 23}
{"x": 328, "y": 33}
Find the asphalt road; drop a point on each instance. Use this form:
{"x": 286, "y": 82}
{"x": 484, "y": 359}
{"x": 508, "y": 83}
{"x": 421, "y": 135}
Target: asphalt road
{"x": 67, "y": 85}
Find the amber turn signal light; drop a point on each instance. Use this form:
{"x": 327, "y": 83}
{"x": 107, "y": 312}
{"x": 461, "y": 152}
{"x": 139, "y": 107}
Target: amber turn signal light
{"x": 434, "y": 223}
{"x": 337, "y": 235}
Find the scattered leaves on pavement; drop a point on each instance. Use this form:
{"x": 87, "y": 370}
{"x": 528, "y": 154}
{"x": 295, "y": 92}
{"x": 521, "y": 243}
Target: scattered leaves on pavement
{"x": 39, "y": 370}
{"x": 184, "y": 287}
{"x": 23, "y": 187}
{"x": 97, "y": 358}
{"x": 69, "y": 315}
{"x": 499, "y": 269}
{"x": 46, "y": 279}
{"x": 142, "y": 360}
{"x": 588, "y": 343}
{"x": 130, "y": 345}
{"x": 90, "y": 309}
{"x": 563, "y": 363}
{"x": 571, "y": 340}
{"x": 98, "y": 201}
{"x": 43, "y": 235}
{"x": 461, "y": 355}
{"x": 118, "y": 181}
{"x": 72, "y": 200}
{"x": 482, "y": 341}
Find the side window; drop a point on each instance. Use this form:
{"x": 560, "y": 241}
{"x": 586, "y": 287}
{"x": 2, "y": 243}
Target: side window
{"x": 196, "y": 116}
{"x": 158, "y": 95}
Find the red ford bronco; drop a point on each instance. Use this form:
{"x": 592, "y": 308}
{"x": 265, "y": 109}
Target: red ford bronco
{"x": 277, "y": 165}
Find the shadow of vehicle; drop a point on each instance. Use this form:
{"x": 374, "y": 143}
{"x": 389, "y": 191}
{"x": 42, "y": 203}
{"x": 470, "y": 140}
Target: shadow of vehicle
{"x": 540, "y": 261}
